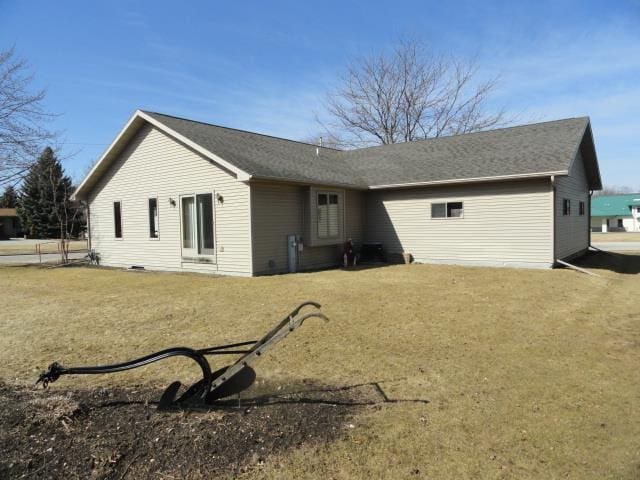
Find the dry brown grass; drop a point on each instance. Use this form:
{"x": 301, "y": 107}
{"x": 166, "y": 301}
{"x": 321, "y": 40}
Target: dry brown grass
{"x": 48, "y": 246}
{"x": 529, "y": 374}
{"x": 615, "y": 237}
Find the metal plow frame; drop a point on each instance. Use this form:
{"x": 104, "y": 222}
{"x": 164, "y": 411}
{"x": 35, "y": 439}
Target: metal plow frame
{"x": 221, "y": 383}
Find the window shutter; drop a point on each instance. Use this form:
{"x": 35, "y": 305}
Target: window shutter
{"x": 333, "y": 216}
{"x": 323, "y": 215}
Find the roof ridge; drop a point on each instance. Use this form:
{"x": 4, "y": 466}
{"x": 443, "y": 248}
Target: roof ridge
{"x": 240, "y": 130}
{"x": 457, "y": 135}
{"x": 618, "y": 195}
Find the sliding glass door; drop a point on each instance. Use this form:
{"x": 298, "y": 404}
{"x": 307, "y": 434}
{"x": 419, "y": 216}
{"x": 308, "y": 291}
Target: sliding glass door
{"x": 197, "y": 225}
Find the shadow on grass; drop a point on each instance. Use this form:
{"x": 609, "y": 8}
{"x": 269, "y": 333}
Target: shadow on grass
{"x": 357, "y": 395}
{"x": 626, "y": 263}
{"x": 117, "y": 432}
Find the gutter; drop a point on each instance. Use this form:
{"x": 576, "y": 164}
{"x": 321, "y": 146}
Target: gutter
{"x": 589, "y": 221}
{"x": 471, "y": 180}
{"x": 553, "y": 218}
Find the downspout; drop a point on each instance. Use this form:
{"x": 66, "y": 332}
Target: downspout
{"x": 553, "y": 216}
{"x": 589, "y": 220}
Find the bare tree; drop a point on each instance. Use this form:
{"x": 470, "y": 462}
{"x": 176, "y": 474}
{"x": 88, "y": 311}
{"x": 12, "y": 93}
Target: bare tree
{"x": 408, "y": 95}
{"x": 66, "y": 213}
{"x": 615, "y": 190}
{"x": 23, "y": 119}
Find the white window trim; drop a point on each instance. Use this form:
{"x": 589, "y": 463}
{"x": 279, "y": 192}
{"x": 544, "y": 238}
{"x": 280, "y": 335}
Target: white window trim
{"x": 213, "y": 258}
{"x": 327, "y": 193}
{"x": 566, "y": 200}
{"x": 157, "y": 237}
{"x": 113, "y": 213}
{"x": 446, "y": 209}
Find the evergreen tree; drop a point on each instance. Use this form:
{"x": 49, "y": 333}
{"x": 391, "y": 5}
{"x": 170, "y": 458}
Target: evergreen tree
{"x": 44, "y": 207}
{"x": 9, "y": 198}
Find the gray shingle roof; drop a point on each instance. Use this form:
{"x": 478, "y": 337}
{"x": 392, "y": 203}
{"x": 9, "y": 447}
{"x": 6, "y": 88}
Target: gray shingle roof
{"x": 522, "y": 150}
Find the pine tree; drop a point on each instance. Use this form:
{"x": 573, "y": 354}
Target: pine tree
{"x": 44, "y": 207}
{"x": 9, "y": 198}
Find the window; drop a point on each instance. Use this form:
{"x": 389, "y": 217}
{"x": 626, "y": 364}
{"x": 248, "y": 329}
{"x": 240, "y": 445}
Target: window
{"x": 454, "y": 209}
{"x": 328, "y": 215}
{"x": 153, "y": 218}
{"x": 620, "y": 223}
{"x": 447, "y": 210}
{"x": 197, "y": 224}
{"x": 566, "y": 207}
{"x": 581, "y": 208}
{"x": 117, "y": 219}
{"x": 438, "y": 210}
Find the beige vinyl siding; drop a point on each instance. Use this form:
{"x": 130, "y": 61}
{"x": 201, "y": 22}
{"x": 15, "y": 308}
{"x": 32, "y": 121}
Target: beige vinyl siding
{"x": 276, "y": 211}
{"x": 504, "y": 224}
{"x": 355, "y": 216}
{"x": 279, "y": 210}
{"x": 572, "y": 232}
{"x": 154, "y": 165}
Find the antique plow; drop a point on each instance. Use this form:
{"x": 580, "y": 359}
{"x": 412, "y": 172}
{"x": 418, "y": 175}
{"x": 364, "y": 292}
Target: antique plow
{"x": 224, "y": 382}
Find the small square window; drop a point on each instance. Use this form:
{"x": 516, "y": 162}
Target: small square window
{"x": 447, "y": 210}
{"x": 566, "y": 207}
{"x": 454, "y": 209}
{"x": 438, "y": 210}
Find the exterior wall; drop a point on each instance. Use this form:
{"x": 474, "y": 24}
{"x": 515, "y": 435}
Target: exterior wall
{"x": 598, "y": 224}
{"x": 610, "y": 224}
{"x": 156, "y": 165}
{"x": 504, "y": 224}
{"x": 355, "y": 214}
{"x": 572, "y": 231}
{"x": 279, "y": 210}
{"x": 631, "y": 224}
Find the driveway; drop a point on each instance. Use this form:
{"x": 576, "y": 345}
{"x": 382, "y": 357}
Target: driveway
{"x": 31, "y": 258}
{"x": 618, "y": 246}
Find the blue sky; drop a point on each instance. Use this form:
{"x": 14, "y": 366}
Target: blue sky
{"x": 264, "y": 66}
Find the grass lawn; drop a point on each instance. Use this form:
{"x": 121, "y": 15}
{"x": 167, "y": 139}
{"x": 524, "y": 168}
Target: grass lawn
{"x": 15, "y": 247}
{"x": 528, "y": 374}
{"x": 615, "y": 237}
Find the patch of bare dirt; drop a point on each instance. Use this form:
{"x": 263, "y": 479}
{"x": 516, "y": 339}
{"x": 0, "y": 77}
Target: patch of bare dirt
{"x": 118, "y": 433}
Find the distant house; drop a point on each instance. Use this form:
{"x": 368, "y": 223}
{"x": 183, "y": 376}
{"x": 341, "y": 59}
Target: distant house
{"x": 9, "y": 223}
{"x": 616, "y": 213}
{"x": 176, "y": 194}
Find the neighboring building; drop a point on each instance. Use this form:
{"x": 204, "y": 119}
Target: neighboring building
{"x": 616, "y": 213}
{"x": 9, "y": 223}
{"x": 176, "y": 194}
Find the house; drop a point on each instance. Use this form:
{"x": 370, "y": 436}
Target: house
{"x": 176, "y": 194}
{"x": 9, "y": 223}
{"x": 611, "y": 213}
